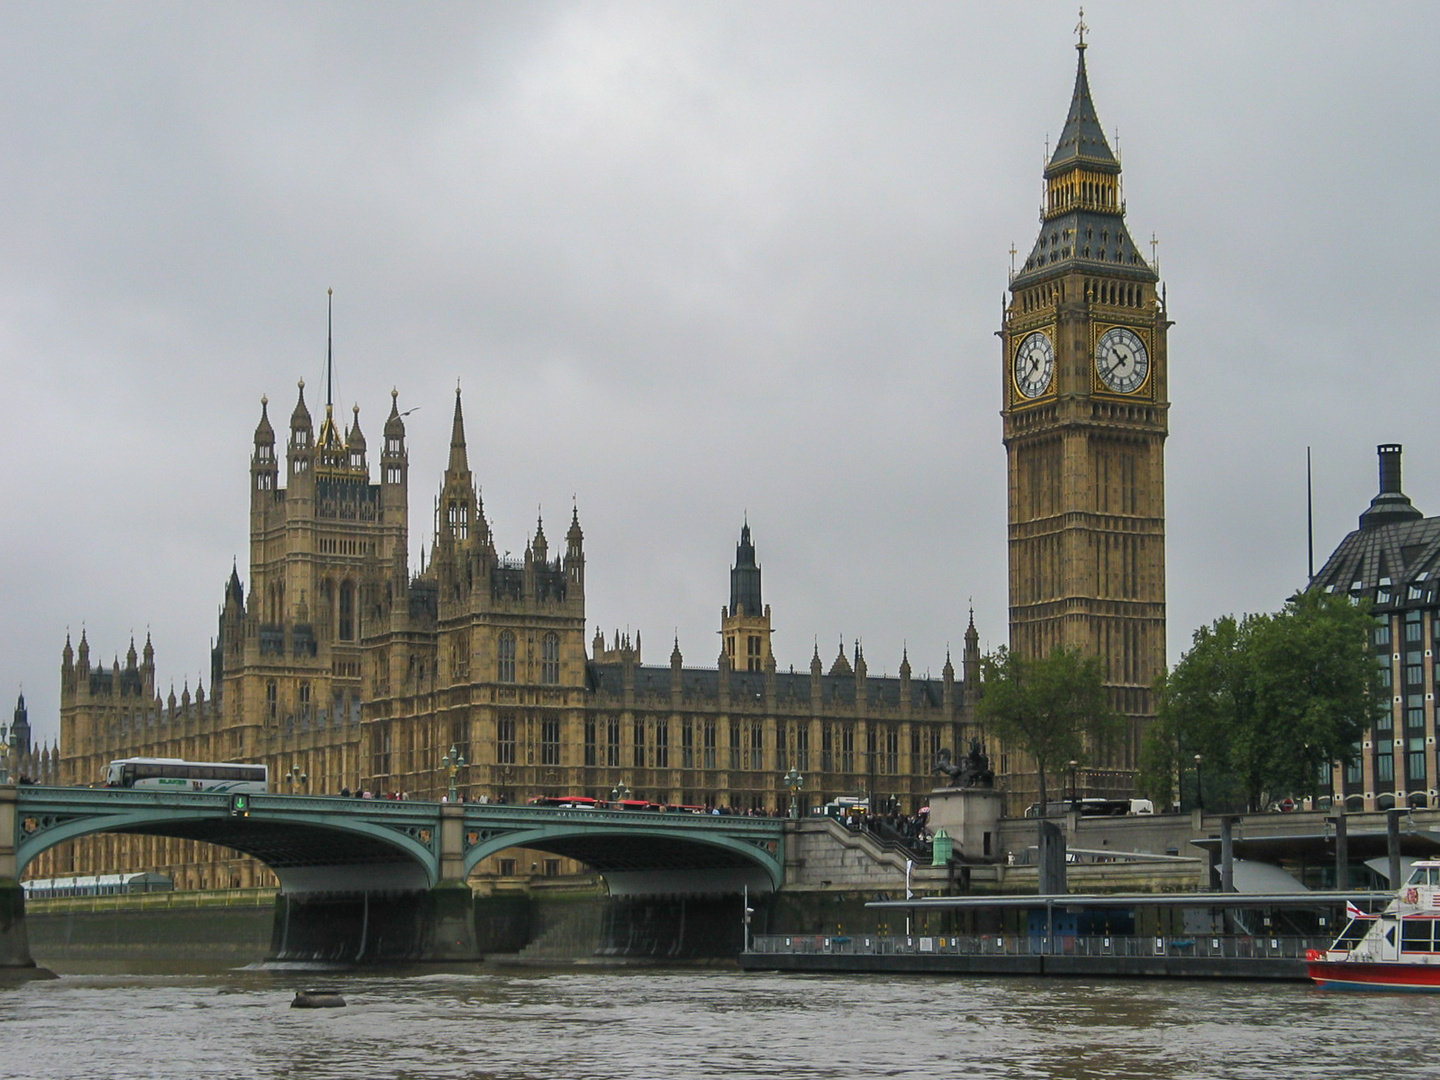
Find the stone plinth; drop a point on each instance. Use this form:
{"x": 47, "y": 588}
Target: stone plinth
{"x": 971, "y": 817}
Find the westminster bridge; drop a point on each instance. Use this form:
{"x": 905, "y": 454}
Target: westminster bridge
{"x": 376, "y": 879}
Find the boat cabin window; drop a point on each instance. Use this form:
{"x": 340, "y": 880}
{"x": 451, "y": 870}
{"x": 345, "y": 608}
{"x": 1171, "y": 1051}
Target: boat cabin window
{"x": 1424, "y": 875}
{"x": 1351, "y": 935}
{"x": 1415, "y": 935}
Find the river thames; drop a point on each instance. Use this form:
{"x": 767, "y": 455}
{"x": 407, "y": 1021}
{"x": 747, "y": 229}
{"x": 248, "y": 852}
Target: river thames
{"x": 587, "y": 1024}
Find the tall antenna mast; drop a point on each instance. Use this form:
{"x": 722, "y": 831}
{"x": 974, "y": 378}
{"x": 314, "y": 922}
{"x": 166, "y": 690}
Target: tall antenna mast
{"x": 1309, "y": 516}
{"x": 329, "y": 347}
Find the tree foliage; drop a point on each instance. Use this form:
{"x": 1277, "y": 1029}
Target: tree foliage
{"x": 1269, "y": 701}
{"x": 1050, "y": 708}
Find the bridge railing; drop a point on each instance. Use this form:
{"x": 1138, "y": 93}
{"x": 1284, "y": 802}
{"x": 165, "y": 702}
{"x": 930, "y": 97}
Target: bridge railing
{"x": 262, "y": 801}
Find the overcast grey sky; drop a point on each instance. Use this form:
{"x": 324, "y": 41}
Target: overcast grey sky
{"x": 689, "y": 261}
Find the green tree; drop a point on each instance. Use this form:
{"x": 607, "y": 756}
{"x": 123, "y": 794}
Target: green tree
{"x": 1269, "y": 701}
{"x": 1203, "y": 705}
{"x": 1049, "y": 707}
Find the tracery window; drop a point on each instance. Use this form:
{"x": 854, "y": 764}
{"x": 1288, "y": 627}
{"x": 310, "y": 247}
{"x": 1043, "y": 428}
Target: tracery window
{"x": 506, "y": 666}
{"x": 550, "y": 659}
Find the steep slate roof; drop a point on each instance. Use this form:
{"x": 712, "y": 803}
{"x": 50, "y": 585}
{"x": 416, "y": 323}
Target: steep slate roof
{"x": 1083, "y": 238}
{"x": 1393, "y": 558}
{"x": 1082, "y": 141}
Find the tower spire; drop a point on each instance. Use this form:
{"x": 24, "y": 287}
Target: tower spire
{"x": 331, "y": 444}
{"x": 458, "y": 462}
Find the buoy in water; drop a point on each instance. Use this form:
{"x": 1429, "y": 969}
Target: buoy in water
{"x": 317, "y": 999}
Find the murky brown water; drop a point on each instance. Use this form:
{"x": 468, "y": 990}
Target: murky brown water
{"x": 668, "y": 1025}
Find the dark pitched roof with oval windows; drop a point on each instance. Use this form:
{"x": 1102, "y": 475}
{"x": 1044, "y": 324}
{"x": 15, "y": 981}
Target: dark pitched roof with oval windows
{"x": 1393, "y": 558}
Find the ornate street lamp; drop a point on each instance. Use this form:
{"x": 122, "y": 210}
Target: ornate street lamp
{"x": 1073, "y": 766}
{"x": 794, "y": 781}
{"x": 297, "y": 780}
{"x": 452, "y": 763}
{"x": 619, "y": 792}
{"x": 1199, "y": 790}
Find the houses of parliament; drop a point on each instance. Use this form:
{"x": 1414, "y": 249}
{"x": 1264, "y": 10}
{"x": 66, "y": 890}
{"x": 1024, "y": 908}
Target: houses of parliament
{"x": 341, "y": 666}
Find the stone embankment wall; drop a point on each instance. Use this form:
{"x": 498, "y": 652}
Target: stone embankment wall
{"x": 187, "y": 928}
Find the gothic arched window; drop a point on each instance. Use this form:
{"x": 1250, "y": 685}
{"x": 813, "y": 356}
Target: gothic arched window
{"x": 347, "y": 611}
{"x": 550, "y": 659}
{"x": 506, "y": 667}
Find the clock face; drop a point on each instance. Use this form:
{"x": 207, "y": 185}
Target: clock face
{"x": 1034, "y": 364}
{"x": 1121, "y": 360}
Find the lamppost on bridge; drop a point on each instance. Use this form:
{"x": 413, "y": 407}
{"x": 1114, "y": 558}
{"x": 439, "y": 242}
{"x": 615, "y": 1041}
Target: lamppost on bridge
{"x": 794, "y": 781}
{"x": 619, "y": 792}
{"x": 297, "y": 780}
{"x": 452, "y": 763}
{"x": 1199, "y": 789}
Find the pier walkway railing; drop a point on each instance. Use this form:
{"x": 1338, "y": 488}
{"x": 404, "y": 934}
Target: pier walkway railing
{"x": 1206, "y": 946}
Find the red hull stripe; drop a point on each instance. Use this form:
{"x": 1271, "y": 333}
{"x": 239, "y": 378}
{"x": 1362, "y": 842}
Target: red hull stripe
{"x": 1343, "y": 975}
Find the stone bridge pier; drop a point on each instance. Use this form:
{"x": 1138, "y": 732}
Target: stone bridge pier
{"x": 14, "y": 943}
{"x": 379, "y": 912}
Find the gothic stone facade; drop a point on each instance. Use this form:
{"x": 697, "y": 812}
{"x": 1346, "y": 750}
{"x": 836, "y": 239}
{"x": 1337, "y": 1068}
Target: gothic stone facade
{"x": 341, "y": 669}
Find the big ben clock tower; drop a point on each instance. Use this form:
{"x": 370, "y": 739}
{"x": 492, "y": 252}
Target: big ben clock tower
{"x": 1085, "y": 422}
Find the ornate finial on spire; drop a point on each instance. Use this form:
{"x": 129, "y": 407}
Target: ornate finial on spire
{"x": 1080, "y": 29}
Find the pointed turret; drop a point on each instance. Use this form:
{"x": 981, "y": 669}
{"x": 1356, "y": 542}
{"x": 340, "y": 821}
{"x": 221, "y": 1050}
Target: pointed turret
{"x": 459, "y": 508}
{"x": 263, "y": 463}
{"x": 20, "y": 728}
{"x": 147, "y": 669}
{"x": 970, "y": 662}
{"x": 575, "y": 552}
{"x": 234, "y": 592}
{"x": 540, "y": 546}
{"x": 394, "y": 423}
{"x": 302, "y": 439}
{"x": 395, "y": 470}
{"x": 300, "y": 422}
{"x": 355, "y": 443}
